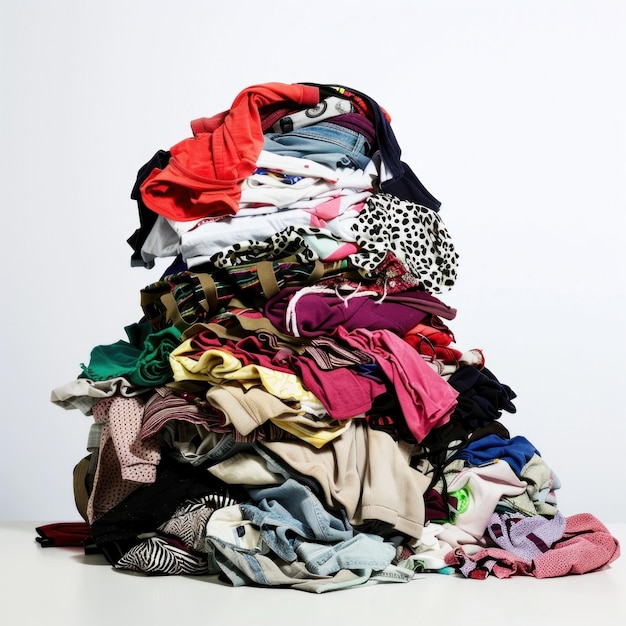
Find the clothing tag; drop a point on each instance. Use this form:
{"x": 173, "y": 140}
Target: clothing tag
{"x": 238, "y": 533}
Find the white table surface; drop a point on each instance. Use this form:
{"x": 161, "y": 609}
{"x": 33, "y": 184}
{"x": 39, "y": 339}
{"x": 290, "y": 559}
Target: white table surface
{"x": 49, "y": 586}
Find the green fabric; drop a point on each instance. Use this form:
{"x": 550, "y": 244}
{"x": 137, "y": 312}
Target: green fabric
{"x": 143, "y": 360}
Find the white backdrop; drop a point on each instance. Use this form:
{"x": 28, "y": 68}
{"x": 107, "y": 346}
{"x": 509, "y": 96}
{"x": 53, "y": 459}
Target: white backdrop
{"x": 512, "y": 113}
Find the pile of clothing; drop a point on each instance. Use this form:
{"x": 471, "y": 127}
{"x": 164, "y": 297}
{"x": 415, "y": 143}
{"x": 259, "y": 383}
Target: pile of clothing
{"x": 292, "y": 408}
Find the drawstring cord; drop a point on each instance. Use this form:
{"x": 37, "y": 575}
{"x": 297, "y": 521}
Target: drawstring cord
{"x": 291, "y": 321}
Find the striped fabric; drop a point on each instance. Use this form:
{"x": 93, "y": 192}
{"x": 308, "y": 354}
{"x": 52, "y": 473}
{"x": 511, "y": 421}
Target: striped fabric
{"x": 185, "y": 298}
{"x": 158, "y": 556}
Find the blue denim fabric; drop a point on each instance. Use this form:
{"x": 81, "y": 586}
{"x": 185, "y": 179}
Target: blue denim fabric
{"x": 361, "y": 552}
{"x": 225, "y": 448}
{"x": 330, "y": 144}
{"x": 242, "y": 568}
{"x": 292, "y": 511}
{"x": 235, "y": 548}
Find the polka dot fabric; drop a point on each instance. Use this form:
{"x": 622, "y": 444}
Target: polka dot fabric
{"x": 125, "y": 461}
{"x": 414, "y": 233}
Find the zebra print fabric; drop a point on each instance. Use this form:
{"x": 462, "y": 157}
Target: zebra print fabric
{"x": 160, "y": 556}
{"x": 189, "y": 521}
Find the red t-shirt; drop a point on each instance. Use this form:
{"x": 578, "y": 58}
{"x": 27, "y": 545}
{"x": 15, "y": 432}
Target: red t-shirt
{"x": 204, "y": 174}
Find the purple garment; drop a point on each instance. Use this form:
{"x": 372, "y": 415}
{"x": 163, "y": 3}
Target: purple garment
{"x": 526, "y": 537}
{"x": 423, "y": 301}
{"x": 318, "y": 313}
{"x": 586, "y": 546}
{"x": 356, "y": 122}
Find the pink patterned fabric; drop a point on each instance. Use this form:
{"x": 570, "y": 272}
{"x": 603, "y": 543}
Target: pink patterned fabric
{"x": 125, "y": 460}
{"x": 586, "y": 546}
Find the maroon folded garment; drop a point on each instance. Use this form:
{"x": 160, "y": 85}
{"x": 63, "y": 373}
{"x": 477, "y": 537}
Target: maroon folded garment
{"x": 63, "y": 534}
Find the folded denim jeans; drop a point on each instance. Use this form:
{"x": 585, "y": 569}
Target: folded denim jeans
{"x": 327, "y": 142}
{"x": 235, "y": 549}
{"x": 362, "y": 552}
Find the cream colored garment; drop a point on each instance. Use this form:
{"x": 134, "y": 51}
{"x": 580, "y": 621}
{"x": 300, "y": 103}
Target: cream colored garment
{"x": 247, "y": 469}
{"x": 365, "y": 472}
{"x": 83, "y": 393}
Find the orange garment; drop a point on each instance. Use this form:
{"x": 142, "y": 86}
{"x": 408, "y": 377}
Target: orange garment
{"x": 204, "y": 174}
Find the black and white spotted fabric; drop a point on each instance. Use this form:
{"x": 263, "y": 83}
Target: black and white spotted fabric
{"x": 414, "y": 233}
{"x": 290, "y": 242}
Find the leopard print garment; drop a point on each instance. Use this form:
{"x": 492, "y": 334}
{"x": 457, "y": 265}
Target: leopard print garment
{"x": 289, "y": 242}
{"x": 414, "y": 233}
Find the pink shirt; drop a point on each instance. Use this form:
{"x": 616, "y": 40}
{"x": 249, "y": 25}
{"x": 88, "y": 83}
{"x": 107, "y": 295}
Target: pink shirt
{"x": 426, "y": 399}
